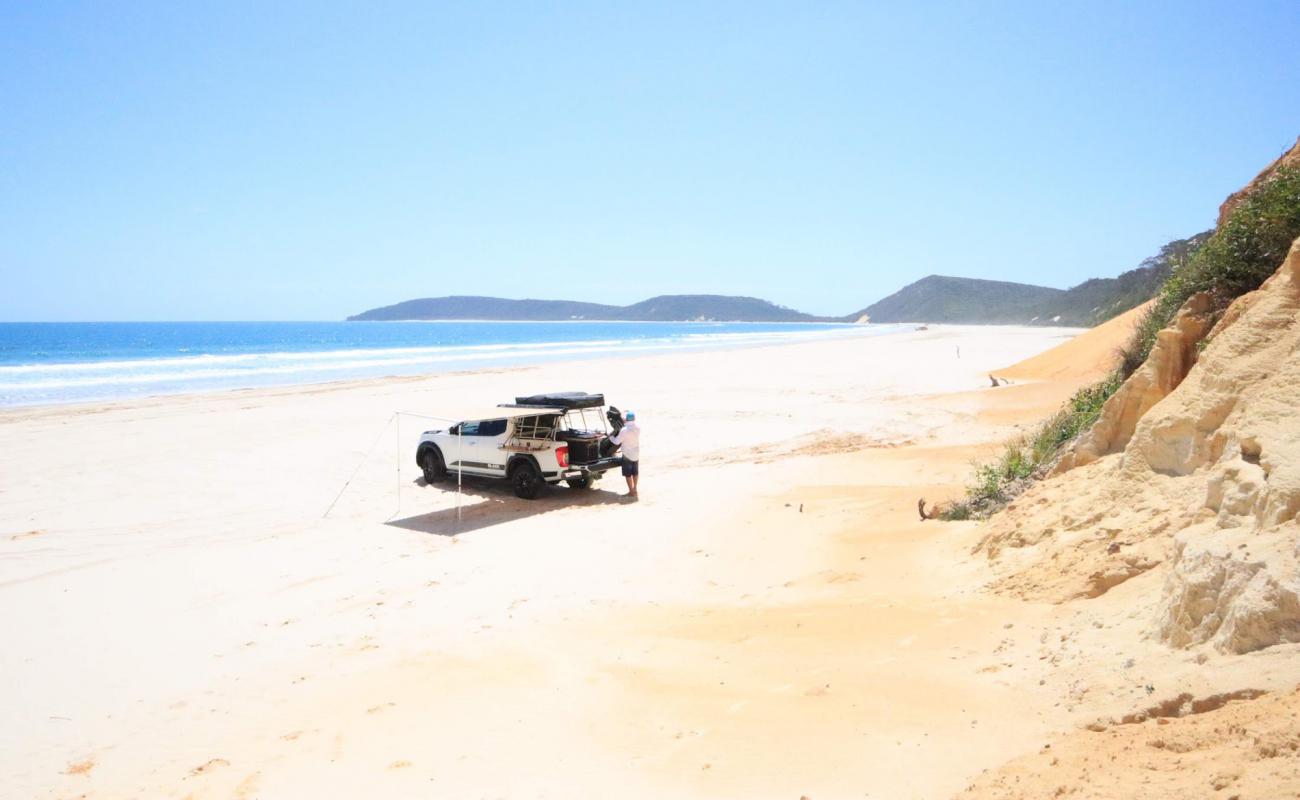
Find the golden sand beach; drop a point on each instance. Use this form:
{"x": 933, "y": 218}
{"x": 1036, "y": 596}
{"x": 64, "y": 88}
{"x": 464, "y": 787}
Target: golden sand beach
{"x": 772, "y": 619}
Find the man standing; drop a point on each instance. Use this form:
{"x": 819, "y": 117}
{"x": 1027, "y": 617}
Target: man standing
{"x": 629, "y": 438}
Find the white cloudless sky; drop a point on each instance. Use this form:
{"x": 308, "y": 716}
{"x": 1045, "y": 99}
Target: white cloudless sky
{"x": 309, "y": 161}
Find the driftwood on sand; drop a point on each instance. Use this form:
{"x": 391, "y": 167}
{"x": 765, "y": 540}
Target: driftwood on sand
{"x": 931, "y": 514}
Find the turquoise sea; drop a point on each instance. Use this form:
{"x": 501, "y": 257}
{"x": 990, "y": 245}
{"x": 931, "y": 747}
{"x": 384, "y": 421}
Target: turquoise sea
{"x": 60, "y": 362}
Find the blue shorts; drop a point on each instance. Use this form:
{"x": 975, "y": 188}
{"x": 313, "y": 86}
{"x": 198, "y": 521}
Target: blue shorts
{"x": 631, "y": 467}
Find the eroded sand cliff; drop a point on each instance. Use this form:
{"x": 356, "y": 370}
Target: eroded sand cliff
{"x": 1176, "y": 514}
{"x": 1207, "y": 482}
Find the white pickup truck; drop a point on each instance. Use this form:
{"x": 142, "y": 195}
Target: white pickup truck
{"x": 534, "y": 441}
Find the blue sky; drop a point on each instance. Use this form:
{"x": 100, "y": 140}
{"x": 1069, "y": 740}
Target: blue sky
{"x": 307, "y": 161}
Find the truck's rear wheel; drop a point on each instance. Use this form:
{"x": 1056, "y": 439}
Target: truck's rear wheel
{"x": 526, "y": 480}
{"x": 584, "y": 482}
{"x": 433, "y": 466}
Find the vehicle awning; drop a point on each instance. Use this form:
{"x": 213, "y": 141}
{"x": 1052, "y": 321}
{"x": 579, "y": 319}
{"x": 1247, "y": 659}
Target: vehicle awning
{"x": 493, "y": 412}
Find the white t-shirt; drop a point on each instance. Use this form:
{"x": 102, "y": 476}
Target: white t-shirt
{"x": 630, "y": 440}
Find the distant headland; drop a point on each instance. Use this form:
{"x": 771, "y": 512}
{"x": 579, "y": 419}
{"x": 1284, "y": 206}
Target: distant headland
{"x": 935, "y": 298}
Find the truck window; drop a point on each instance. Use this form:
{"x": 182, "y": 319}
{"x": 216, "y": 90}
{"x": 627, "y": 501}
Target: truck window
{"x": 491, "y": 427}
{"x": 465, "y": 429}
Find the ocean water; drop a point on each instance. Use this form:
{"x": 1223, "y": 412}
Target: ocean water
{"x": 56, "y": 362}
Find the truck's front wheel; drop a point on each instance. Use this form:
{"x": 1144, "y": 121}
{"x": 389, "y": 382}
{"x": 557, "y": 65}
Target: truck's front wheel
{"x": 526, "y": 480}
{"x": 433, "y": 466}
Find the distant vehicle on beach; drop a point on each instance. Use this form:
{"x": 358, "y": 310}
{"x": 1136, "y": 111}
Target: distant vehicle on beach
{"x": 534, "y": 441}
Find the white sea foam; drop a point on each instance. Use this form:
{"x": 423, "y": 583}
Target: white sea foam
{"x": 60, "y": 382}
{"x": 288, "y": 355}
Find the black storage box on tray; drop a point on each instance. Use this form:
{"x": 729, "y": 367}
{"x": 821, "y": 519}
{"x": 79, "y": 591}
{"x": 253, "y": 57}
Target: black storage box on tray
{"x": 584, "y": 446}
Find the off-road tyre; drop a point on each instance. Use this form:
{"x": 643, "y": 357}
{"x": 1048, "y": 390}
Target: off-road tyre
{"x": 526, "y": 479}
{"x": 435, "y": 469}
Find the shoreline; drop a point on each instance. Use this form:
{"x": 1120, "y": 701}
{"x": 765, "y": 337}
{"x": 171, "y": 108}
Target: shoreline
{"x": 637, "y": 353}
{"x": 255, "y": 369}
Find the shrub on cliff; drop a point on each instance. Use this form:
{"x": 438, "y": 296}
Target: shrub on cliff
{"x": 1243, "y": 252}
{"x": 1024, "y": 459}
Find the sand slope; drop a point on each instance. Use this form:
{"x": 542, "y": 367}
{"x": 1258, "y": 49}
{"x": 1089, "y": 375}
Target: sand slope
{"x": 1209, "y": 469}
{"x": 1193, "y": 528}
{"x": 1088, "y": 356}
{"x": 1243, "y": 749}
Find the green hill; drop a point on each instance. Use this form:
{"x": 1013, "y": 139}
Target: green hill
{"x": 494, "y": 308}
{"x": 936, "y": 298}
{"x": 1095, "y": 301}
{"x": 665, "y": 308}
{"x": 940, "y": 298}
{"x": 721, "y": 308}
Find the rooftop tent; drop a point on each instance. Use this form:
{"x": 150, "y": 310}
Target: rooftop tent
{"x": 564, "y": 400}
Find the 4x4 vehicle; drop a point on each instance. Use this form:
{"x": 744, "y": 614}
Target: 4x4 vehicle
{"x": 532, "y": 442}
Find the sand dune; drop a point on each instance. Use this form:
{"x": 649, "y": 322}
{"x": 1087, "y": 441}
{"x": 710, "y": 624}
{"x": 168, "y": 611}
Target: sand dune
{"x": 1086, "y": 357}
{"x": 1191, "y": 518}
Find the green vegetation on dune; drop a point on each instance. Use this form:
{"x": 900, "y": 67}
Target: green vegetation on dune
{"x": 1246, "y": 248}
{"x": 1100, "y": 299}
{"x": 1025, "y": 459}
{"x": 1242, "y": 253}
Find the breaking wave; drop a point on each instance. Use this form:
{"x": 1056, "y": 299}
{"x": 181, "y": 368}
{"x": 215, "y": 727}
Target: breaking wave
{"x": 114, "y": 376}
